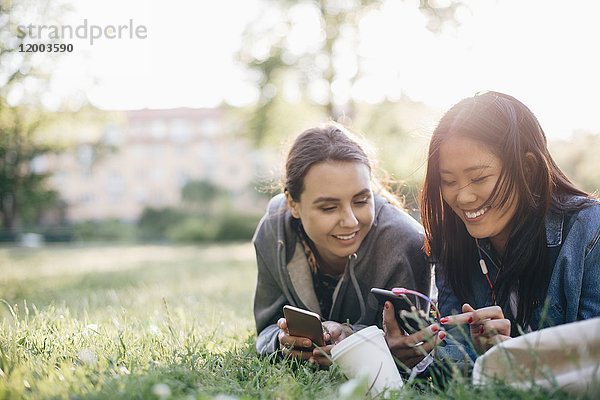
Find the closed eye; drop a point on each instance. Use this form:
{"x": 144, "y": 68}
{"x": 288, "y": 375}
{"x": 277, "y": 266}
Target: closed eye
{"x": 478, "y": 180}
{"x": 364, "y": 200}
{"x": 326, "y": 209}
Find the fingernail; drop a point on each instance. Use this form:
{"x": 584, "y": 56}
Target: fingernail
{"x": 442, "y": 335}
{"x": 307, "y": 343}
{"x": 470, "y": 320}
{"x": 387, "y": 306}
{"x": 482, "y": 329}
{"x": 444, "y": 320}
{"x": 434, "y": 328}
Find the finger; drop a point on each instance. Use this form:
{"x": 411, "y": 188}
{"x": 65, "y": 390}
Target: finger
{"x": 425, "y": 334}
{"x": 322, "y": 351}
{"x": 485, "y": 343}
{"x": 390, "y": 325}
{"x": 487, "y": 313}
{"x": 467, "y": 308}
{"x": 420, "y": 352}
{"x": 500, "y": 338}
{"x": 410, "y": 348}
{"x": 300, "y": 354}
{"x": 295, "y": 341}
{"x": 334, "y": 331}
{"x": 282, "y": 323}
{"x": 495, "y": 327}
{"x": 322, "y": 355}
{"x": 458, "y": 319}
{"x": 472, "y": 316}
{"x": 321, "y": 360}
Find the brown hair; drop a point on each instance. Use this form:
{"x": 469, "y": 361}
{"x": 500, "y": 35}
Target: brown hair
{"x": 329, "y": 142}
{"x": 511, "y": 131}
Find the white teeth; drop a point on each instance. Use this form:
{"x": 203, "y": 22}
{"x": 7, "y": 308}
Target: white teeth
{"x": 476, "y": 213}
{"x": 345, "y": 237}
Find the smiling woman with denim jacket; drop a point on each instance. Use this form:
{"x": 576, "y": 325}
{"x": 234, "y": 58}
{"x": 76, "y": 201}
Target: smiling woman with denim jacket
{"x": 516, "y": 242}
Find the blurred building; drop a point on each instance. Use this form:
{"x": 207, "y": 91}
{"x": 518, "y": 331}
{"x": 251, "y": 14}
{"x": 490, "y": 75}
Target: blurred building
{"x": 151, "y": 155}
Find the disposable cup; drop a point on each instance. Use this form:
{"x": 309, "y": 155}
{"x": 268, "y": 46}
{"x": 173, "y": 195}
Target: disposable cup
{"x": 366, "y": 354}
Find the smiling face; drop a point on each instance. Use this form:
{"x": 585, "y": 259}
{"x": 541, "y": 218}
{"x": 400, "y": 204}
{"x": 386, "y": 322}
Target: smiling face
{"x": 469, "y": 172}
{"x": 336, "y": 208}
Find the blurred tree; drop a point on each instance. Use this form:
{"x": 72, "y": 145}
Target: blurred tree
{"x": 329, "y": 60}
{"x": 23, "y": 192}
{"x": 576, "y": 157}
{"x": 200, "y": 192}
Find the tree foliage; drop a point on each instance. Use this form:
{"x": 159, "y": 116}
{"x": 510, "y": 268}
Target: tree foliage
{"x": 23, "y": 191}
{"x": 577, "y": 158}
{"x": 322, "y": 62}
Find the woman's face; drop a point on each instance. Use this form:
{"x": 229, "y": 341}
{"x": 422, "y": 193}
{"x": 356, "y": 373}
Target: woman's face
{"x": 469, "y": 172}
{"x": 336, "y": 209}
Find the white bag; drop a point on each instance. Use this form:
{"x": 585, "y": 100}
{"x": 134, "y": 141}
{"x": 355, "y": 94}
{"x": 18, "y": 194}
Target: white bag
{"x": 563, "y": 357}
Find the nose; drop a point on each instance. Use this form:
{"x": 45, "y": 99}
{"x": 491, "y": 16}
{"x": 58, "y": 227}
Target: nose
{"x": 348, "y": 219}
{"x": 465, "y": 195}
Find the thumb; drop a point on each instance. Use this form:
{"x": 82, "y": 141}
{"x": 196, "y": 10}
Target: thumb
{"x": 390, "y": 325}
{"x": 282, "y": 323}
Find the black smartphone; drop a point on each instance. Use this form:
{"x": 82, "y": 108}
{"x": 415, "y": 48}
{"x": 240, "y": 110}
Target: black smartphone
{"x": 408, "y": 316}
{"x": 303, "y": 323}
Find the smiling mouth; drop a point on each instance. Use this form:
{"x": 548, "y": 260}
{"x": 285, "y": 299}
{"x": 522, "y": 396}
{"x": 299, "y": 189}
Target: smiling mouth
{"x": 475, "y": 214}
{"x": 345, "y": 237}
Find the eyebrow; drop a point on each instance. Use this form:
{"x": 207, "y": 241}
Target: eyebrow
{"x": 473, "y": 168}
{"x": 324, "y": 199}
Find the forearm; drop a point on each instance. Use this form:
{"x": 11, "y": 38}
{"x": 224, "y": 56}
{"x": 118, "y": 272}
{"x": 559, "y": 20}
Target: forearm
{"x": 267, "y": 341}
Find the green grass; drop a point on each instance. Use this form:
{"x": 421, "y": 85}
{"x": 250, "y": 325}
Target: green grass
{"x": 155, "y": 322}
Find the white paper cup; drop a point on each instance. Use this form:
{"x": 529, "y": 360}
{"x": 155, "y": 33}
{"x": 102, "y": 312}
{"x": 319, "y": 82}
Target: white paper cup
{"x": 365, "y": 353}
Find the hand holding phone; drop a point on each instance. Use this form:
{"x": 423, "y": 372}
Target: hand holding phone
{"x": 409, "y": 318}
{"x": 303, "y": 323}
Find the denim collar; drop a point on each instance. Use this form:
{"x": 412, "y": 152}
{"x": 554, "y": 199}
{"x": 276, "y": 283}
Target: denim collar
{"x": 554, "y": 232}
{"x": 554, "y": 228}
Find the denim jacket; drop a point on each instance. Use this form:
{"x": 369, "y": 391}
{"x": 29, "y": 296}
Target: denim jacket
{"x": 574, "y": 289}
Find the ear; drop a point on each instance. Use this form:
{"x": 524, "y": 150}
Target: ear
{"x": 292, "y": 205}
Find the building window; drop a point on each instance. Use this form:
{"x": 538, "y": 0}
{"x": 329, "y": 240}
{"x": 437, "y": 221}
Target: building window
{"x": 114, "y": 184}
{"x": 141, "y": 196}
{"x": 158, "y": 129}
{"x": 209, "y": 127}
{"x": 180, "y": 131}
{"x": 158, "y": 174}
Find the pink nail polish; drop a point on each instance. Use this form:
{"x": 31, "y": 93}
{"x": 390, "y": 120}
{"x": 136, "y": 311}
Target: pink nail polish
{"x": 444, "y": 320}
{"x": 387, "y": 306}
{"x": 442, "y": 335}
{"x": 470, "y": 320}
{"x": 434, "y": 328}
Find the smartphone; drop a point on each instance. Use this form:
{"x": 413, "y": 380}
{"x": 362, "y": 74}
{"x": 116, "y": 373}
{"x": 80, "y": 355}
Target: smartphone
{"x": 303, "y": 323}
{"x": 411, "y": 321}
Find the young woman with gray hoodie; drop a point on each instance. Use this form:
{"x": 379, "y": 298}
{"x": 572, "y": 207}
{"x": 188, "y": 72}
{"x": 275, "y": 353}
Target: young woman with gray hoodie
{"x": 327, "y": 240}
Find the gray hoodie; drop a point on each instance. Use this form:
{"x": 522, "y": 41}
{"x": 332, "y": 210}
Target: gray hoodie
{"x": 391, "y": 255}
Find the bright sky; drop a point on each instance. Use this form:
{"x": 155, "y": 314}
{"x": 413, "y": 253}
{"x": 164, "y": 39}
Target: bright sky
{"x": 544, "y": 52}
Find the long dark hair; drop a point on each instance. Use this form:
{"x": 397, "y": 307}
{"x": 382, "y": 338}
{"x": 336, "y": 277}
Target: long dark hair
{"x": 511, "y": 132}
